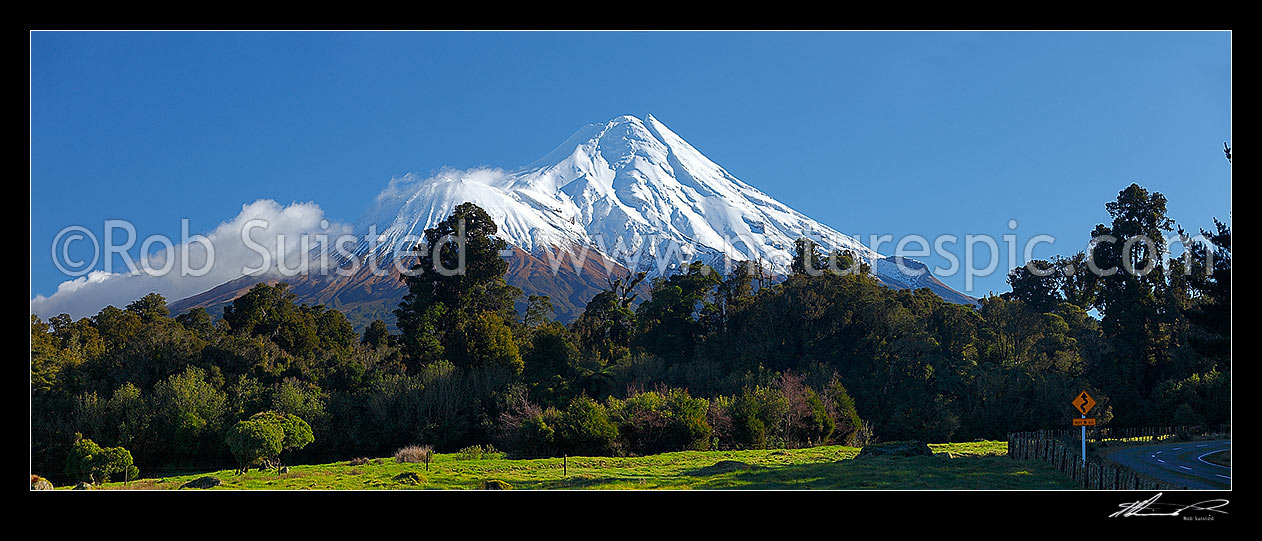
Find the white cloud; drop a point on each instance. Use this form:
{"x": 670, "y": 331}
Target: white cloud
{"x": 268, "y": 222}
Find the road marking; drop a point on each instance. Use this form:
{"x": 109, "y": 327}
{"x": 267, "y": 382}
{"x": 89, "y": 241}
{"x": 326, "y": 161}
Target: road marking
{"x": 1158, "y": 452}
{"x": 1227, "y": 477}
{"x": 1186, "y": 468}
{"x": 1202, "y": 459}
{"x": 1161, "y": 461}
{"x": 1202, "y": 445}
{"x": 1177, "y": 448}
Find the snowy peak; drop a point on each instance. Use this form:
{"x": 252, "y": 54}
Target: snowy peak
{"x": 629, "y": 188}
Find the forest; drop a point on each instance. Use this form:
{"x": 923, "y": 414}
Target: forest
{"x": 705, "y": 361}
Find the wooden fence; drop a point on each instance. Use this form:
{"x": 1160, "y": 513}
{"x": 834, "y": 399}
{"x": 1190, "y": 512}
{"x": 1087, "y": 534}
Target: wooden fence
{"x": 1062, "y": 449}
{"x": 1142, "y": 434}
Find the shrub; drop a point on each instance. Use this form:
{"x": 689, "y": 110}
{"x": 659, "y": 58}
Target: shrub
{"x": 662, "y": 421}
{"x": 525, "y": 430}
{"x": 748, "y": 428}
{"x": 817, "y": 425}
{"x": 719, "y": 417}
{"x": 759, "y": 416}
{"x": 358, "y": 461}
{"x": 297, "y": 433}
{"x": 850, "y": 428}
{"x": 89, "y": 461}
{"x": 689, "y": 427}
{"x": 537, "y": 433}
{"x": 585, "y": 429}
{"x": 863, "y": 436}
{"x": 478, "y": 452}
{"x": 416, "y": 454}
{"x": 641, "y": 422}
{"x": 254, "y": 443}
{"x": 259, "y": 440}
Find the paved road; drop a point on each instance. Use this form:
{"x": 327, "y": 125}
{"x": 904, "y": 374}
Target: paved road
{"x": 1181, "y": 463}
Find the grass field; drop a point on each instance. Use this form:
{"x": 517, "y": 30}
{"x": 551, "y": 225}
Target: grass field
{"x": 980, "y": 465}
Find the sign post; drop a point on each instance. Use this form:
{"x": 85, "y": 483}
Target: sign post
{"x": 1083, "y": 403}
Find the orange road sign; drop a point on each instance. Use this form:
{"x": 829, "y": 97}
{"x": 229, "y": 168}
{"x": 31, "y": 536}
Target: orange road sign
{"x": 1089, "y": 421}
{"x": 1083, "y": 402}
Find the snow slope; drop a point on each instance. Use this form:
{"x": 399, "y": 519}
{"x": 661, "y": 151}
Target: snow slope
{"x": 629, "y": 188}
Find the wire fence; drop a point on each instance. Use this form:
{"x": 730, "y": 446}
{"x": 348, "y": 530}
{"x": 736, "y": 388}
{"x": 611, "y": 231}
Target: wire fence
{"x": 1138, "y": 434}
{"x": 1062, "y": 450}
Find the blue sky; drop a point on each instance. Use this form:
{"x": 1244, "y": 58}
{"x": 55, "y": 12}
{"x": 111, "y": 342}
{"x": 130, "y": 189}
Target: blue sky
{"x": 895, "y": 133}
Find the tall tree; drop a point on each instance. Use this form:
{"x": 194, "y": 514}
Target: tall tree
{"x": 150, "y": 308}
{"x": 1135, "y": 323}
{"x": 806, "y": 258}
{"x": 607, "y": 325}
{"x": 669, "y": 322}
{"x": 457, "y": 284}
{"x": 1039, "y": 289}
{"x": 269, "y": 311}
{"x": 1209, "y": 278}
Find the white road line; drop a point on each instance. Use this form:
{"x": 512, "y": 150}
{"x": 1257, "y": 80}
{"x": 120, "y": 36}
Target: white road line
{"x": 1186, "y": 468}
{"x": 1202, "y": 459}
{"x": 1202, "y": 445}
{"x": 1161, "y": 461}
{"x": 1158, "y": 452}
{"x": 1227, "y": 477}
{"x": 1177, "y": 448}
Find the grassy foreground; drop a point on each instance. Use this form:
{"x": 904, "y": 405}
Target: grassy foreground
{"x": 979, "y": 465}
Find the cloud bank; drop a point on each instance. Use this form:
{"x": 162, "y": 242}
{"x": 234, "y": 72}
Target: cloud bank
{"x": 273, "y": 229}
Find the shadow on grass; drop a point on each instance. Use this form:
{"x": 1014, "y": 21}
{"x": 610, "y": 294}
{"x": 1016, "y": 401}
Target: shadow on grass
{"x": 719, "y": 468}
{"x": 582, "y": 482}
{"x": 902, "y": 473}
{"x": 887, "y": 473}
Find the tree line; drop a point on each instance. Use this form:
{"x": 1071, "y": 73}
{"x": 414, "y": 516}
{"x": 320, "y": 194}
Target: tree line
{"x": 706, "y": 361}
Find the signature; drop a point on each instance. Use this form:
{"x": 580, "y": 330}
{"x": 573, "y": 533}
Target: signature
{"x": 1150, "y": 507}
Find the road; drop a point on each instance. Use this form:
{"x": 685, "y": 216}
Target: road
{"x": 1182, "y": 463}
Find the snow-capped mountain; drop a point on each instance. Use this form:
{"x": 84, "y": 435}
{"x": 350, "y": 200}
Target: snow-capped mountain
{"x": 629, "y": 188}
{"x": 629, "y": 194}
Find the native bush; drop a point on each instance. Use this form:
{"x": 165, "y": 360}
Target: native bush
{"x": 479, "y": 452}
{"x": 585, "y": 429}
{"x": 91, "y": 462}
{"x": 669, "y": 420}
{"x": 259, "y": 440}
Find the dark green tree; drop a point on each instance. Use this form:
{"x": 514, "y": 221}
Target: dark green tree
{"x": 90, "y": 462}
{"x": 151, "y": 307}
{"x": 1136, "y": 323}
{"x": 539, "y": 311}
{"x": 807, "y": 260}
{"x": 605, "y": 328}
{"x": 260, "y": 440}
{"x": 269, "y": 311}
{"x": 670, "y": 321}
{"x": 1039, "y": 289}
{"x": 376, "y": 335}
{"x": 457, "y": 285}
{"x": 199, "y": 322}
